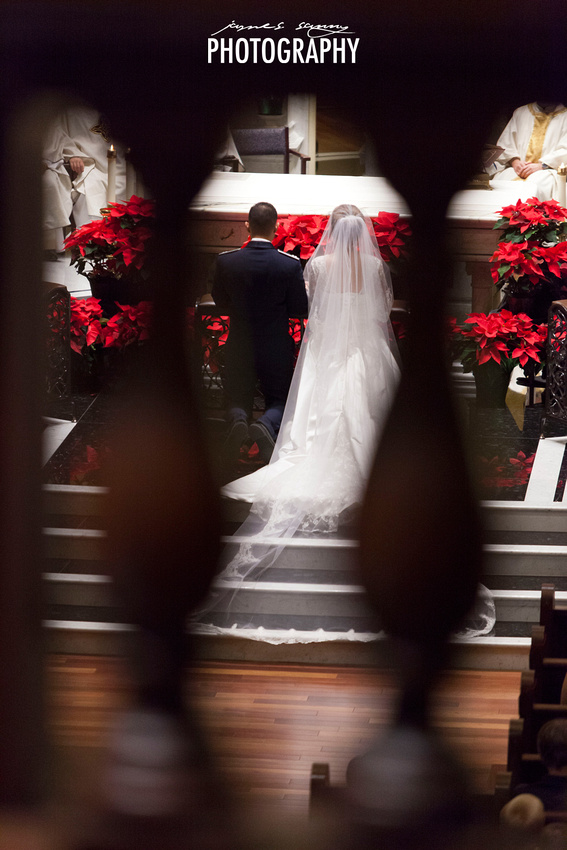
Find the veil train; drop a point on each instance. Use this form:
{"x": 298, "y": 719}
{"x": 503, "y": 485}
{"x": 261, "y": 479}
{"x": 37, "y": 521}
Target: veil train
{"x": 341, "y": 393}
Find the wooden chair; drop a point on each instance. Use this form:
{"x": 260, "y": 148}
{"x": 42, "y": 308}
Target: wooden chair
{"x": 542, "y": 694}
{"x": 267, "y": 141}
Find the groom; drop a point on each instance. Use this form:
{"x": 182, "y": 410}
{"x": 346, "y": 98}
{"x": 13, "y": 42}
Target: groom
{"x": 260, "y": 288}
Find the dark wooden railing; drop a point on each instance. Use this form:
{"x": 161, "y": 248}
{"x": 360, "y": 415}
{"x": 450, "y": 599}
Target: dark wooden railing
{"x": 428, "y": 86}
{"x": 556, "y": 368}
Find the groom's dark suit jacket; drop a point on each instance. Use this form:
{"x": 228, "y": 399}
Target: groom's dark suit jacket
{"x": 260, "y": 288}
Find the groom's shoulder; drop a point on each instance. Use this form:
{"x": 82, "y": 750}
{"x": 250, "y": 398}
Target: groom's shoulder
{"x": 289, "y": 256}
{"x": 229, "y": 259}
{"x": 286, "y": 263}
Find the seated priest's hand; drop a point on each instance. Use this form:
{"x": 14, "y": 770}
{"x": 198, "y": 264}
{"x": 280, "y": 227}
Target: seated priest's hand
{"x": 530, "y": 168}
{"x": 524, "y": 169}
{"x": 77, "y": 164}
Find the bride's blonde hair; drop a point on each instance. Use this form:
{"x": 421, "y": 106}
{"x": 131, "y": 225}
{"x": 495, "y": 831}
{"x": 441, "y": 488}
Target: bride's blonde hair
{"x": 342, "y": 211}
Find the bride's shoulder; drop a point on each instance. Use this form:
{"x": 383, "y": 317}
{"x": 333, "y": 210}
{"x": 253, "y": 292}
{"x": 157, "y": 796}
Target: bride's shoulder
{"x": 316, "y": 265}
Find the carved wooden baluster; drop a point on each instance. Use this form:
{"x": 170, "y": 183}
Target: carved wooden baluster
{"x": 420, "y": 540}
{"x": 22, "y": 342}
{"x": 163, "y": 546}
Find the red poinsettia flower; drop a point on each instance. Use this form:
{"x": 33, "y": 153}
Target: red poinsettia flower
{"x": 513, "y": 472}
{"x": 524, "y": 214}
{"x": 555, "y": 256}
{"x": 523, "y": 463}
{"x": 131, "y": 325}
{"x": 117, "y": 243}
{"x": 391, "y": 234}
{"x": 80, "y": 469}
{"x": 517, "y": 259}
{"x": 539, "y": 230}
{"x": 305, "y": 231}
{"x": 84, "y": 323}
{"x": 390, "y": 230}
{"x": 503, "y": 337}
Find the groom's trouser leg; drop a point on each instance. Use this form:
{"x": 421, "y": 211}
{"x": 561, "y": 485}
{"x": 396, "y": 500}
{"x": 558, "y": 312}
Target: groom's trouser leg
{"x": 272, "y": 418}
{"x": 239, "y": 382}
{"x": 275, "y": 386}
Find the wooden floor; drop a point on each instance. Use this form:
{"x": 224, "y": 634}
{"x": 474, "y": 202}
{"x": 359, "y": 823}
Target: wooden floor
{"x": 268, "y": 724}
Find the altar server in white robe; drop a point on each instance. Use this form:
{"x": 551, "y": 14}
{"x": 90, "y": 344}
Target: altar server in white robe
{"x": 78, "y": 141}
{"x": 535, "y": 145}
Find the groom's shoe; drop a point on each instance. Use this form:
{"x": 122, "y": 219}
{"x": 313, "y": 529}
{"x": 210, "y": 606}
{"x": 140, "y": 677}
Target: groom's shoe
{"x": 260, "y": 435}
{"x": 236, "y": 437}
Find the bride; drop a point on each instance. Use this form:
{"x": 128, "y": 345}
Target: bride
{"x": 343, "y": 386}
{"x": 342, "y": 389}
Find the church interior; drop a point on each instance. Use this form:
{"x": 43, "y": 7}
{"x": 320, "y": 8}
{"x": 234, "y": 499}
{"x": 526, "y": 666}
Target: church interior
{"x": 333, "y": 701}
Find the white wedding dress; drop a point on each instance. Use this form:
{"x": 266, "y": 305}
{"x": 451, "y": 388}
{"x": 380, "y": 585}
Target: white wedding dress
{"x": 343, "y": 387}
{"x": 324, "y": 451}
{"x": 341, "y": 393}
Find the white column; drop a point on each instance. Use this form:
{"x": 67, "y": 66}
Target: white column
{"x": 300, "y": 117}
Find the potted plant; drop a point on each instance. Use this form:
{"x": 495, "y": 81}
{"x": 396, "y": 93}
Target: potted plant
{"x": 111, "y": 252}
{"x": 92, "y": 335}
{"x": 490, "y": 345}
{"x": 529, "y": 262}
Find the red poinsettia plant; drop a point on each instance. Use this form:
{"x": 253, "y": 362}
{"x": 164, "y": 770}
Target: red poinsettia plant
{"x": 506, "y": 472}
{"x": 214, "y": 334}
{"x": 501, "y": 338}
{"x": 89, "y": 327}
{"x": 533, "y": 248}
{"x": 392, "y": 234}
{"x": 117, "y": 243}
{"x": 305, "y": 232}
{"x": 85, "y": 324}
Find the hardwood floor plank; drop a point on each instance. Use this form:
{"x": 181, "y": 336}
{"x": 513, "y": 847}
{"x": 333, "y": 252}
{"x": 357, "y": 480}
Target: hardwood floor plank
{"x": 267, "y": 724}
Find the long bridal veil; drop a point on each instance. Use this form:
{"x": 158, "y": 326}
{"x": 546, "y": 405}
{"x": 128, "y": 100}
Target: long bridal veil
{"x": 343, "y": 386}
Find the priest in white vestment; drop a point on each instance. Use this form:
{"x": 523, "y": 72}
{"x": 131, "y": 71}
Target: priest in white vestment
{"x": 535, "y": 145}
{"x": 77, "y": 141}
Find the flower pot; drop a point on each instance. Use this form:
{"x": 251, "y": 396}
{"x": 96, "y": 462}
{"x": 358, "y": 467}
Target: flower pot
{"x": 491, "y": 382}
{"x": 87, "y": 371}
{"x": 110, "y": 290}
{"x": 536, "y": 305}
{"x": 518, "y": 304}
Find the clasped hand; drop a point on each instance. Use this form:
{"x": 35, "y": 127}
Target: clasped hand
{"x": 524, "y": 169}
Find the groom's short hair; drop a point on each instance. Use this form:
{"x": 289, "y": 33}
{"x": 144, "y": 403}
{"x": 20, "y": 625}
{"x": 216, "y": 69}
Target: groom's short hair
{"x": 262, "y": 217}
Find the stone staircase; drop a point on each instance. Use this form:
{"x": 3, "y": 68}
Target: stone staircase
{"x": 311, "y": 588}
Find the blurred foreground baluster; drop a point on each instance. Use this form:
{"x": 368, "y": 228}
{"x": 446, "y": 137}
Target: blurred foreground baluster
{"x": 420, "y": 535}
{"x": 420, "y": 560}
{"x": 22, "y": 749}
{"x": 160, "y": 789}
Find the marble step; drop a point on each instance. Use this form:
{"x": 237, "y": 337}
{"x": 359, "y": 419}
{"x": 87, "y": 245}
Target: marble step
{"x": 73, "y": 499}
{"x": 69, "y": 499}
{"x": 82, "y": 614}
{"x": 511, "y": 559}
{"x": 97, "y": 638}
{"x": 326, "y": 555}
{"x": 77, "y": 592}
{"x": 524, "y": 517}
